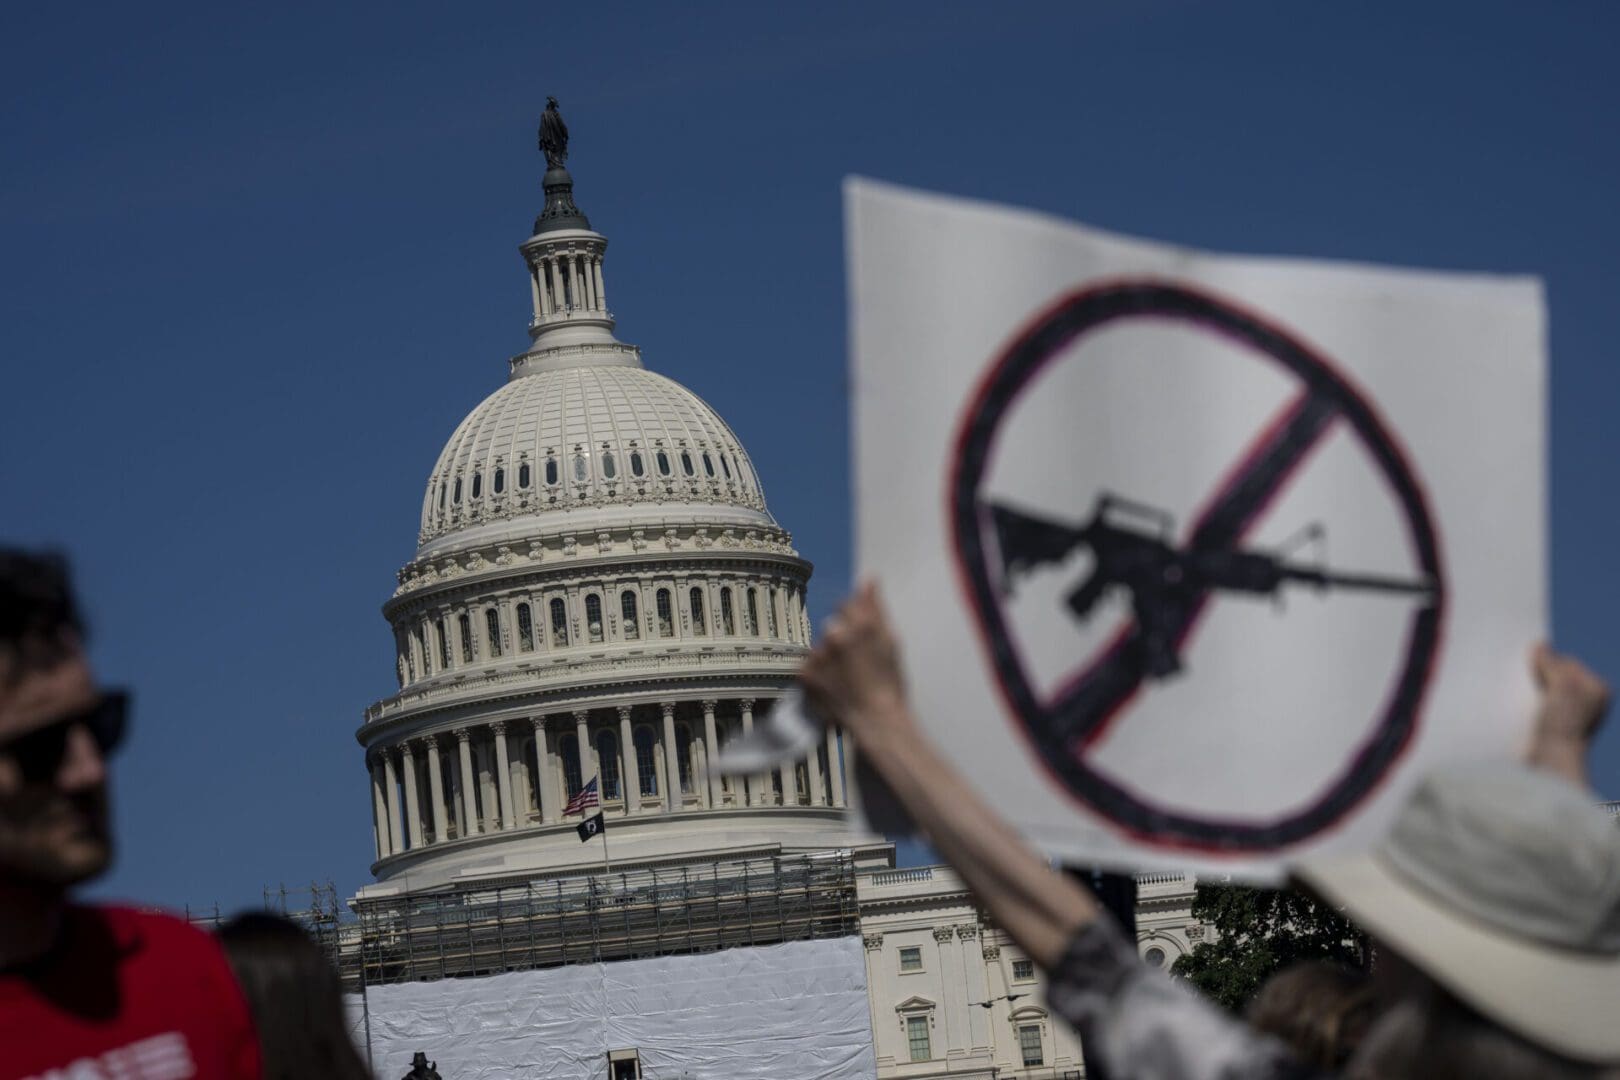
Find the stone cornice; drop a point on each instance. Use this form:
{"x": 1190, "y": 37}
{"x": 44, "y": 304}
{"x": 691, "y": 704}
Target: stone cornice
{"x": 587, "y": 689}
{"x": 511, "y": 565}
{"x": 543, "y": 505}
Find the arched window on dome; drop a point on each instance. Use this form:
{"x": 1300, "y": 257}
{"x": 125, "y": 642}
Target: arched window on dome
{"x": 422, "y": 651}
{"x": 607, "y": 764}
{"x": 551, "y": 471}
{"x": 444, "y": 644}
{"x": 478, "y": 485}
{"x": 666, "y": 616}
{"x": 523, "y": 476}
{"x": 637, "y": 466}
{"x": 770, "y": 611}
{"x": 724, "y": 467}
{"x": 683, "y": 755}
{"x": 753, "y": 611}
{"x": 444, "y": 490}
{"x": 492, "y": 627}
{"x": 632, "y": 621}
{"x": 559, "y": 622}
{"x": 525, "y": 628}
{"x": 568, "y": 750}
{"x": 646, "y": 760}
{"x": 456, "y": 495}
{"x": 728, "y": 625}
{"x": 464, "y": 625}
{"x": 686, "y": 463}
{"x": 593, "y": 616}
{"x": 500, "y": 480}
{"x": 708, "y": 463}
{"x": 801, "y": 785}
{"x": 610, "y": 468}
{"x": 696, "y": 601}
{"x": 580, "y": 468}
{"x": 663, "y": 463}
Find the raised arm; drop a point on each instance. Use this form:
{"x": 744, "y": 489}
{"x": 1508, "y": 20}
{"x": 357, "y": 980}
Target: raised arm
{"x": 854, "y": 675}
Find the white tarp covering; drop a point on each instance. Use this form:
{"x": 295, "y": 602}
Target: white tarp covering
{"x": 795, "y": 1010}
{"x": 1198, "y": 560}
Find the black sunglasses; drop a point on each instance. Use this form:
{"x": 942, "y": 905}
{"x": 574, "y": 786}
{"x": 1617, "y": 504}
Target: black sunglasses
{"x": 39, "y": 753}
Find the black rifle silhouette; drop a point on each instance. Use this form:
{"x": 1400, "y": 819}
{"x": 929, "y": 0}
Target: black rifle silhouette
{"x": 1163, "y": 579}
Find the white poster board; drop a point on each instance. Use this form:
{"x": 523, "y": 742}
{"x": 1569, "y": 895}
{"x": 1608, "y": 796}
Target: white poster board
{"x": 1198, "y": 561}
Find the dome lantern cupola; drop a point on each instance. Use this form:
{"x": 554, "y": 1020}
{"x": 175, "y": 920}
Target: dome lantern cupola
{"x": 564, "y": 260}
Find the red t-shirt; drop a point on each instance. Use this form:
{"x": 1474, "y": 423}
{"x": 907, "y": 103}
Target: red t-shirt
{"x": 129, "y": 995}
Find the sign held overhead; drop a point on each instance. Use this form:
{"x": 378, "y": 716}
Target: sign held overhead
{"x": 1198, "y": 560}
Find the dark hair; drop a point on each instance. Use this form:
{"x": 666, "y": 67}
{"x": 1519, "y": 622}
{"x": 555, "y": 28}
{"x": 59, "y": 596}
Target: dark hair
{"x": 295, "y": 997}
{"x": 38, "y": 616}
{"x": 1320, "y": 1010}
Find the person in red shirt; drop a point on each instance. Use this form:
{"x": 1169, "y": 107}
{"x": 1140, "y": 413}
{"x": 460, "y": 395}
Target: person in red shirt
{"x": 86, "y": 991}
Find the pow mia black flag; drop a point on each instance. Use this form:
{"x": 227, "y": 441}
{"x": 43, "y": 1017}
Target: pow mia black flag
{"x": 590, "y": 826}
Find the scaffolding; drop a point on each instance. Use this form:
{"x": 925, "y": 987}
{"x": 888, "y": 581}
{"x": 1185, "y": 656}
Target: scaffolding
{"x": 549, "y": 922}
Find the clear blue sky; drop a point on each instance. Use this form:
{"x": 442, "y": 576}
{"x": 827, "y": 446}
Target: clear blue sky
{"x": 256, "y": 263}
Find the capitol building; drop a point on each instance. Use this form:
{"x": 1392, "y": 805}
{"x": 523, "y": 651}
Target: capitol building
{"x": 599, "y": 592}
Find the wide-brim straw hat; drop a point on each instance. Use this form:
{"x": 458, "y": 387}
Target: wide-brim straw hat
{"x": 1502, "y": 884}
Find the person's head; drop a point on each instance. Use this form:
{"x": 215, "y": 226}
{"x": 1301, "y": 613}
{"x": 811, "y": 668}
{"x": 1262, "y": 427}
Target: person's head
{"x": 295, "y": 998}
{"x": 1320, "y": 1010}
{"x": 56, "y": 728}
{"x": 1495, "y": 899}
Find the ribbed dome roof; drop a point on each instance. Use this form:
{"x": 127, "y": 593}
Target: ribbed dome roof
{"x": 583, "y": 438}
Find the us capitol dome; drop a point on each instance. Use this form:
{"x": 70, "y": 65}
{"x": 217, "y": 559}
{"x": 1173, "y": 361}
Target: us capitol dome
{"x": 598, "y": 590}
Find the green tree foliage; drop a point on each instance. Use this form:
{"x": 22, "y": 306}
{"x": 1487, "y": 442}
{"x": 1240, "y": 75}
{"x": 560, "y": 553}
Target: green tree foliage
{"x": 1259, "y": 931}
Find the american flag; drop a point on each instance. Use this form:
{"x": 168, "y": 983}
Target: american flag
{"x": 583, "y": 799}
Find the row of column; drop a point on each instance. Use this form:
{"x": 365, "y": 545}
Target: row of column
{"x": 402, "y": 822}
{"x": 570, "y": 281}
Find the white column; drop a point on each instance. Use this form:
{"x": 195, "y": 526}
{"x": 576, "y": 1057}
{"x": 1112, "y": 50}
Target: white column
{"x": 534, "y": 291}
{"x": 441, "y": 824}
{"x": 549, "y": 803}
{"x": 503, "y": 775}
{"x": 672, "y": 766}
{"x": 571, "y": 291}
{"x": 632, "y": 763}
{"x": 601, "y": 292}
{"x": 835, "y": 768}
{"x": 456, "y": 801}
{"x": 759, "y": 786}
{"x": 488, "y": 796}
{"x": 413, "y": 806}
{"x": 582, "y": 736}
{"x": 812, "y": 770}
{"x": 379, "y": 807}
{"x": 469, "y": 793}
{"x": 396, "y": 842}
{"x": 711, "y": 744}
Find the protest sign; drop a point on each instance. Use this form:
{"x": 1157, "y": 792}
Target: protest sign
{"x": 1198, "y": 560}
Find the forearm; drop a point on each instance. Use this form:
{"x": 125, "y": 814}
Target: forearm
{"x": 1039, "y": 909}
